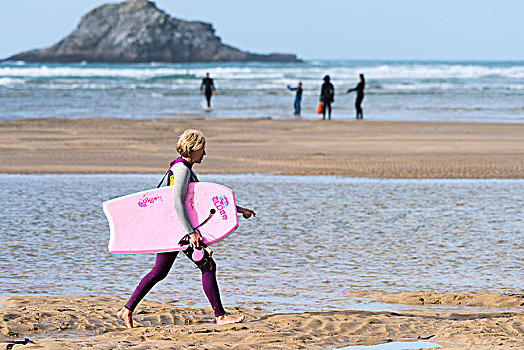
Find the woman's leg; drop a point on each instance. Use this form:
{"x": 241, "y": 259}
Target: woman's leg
{"x": 163, "y": 264}
{"x": 210, "y": 286}
{"x": 358, "y": 106}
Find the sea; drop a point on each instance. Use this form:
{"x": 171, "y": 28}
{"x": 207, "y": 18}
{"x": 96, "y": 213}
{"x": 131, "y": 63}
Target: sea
{"x": 315, "y": 239}
{"x": 451, "y": 91}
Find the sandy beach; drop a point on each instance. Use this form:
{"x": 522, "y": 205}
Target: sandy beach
{"x": 486, "y": 321}
{"x": 461, "y": 320}
{"x": 290, "y": 147}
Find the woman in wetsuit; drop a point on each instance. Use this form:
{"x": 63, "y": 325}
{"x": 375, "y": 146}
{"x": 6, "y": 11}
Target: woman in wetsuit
{"x": 191, "y": 147}
{"x": 360, "y": 96}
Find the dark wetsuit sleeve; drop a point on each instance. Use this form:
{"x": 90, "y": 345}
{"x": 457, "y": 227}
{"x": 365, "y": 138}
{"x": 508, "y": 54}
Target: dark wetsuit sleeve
{"x": 359, "y": 88}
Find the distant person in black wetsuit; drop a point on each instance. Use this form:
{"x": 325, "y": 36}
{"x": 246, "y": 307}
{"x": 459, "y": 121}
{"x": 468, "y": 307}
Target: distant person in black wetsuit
{"x": 298, "y": 97}
{"x": 327, "y": 96}
{"x": 360, "y": 96}
{"x": 207, "y": 88}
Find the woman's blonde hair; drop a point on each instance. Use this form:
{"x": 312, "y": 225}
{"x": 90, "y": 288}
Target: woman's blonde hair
{"x": 190, "y": 141}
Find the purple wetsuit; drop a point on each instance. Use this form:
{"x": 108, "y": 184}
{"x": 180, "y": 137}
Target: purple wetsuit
{"x": 164, "y": 261}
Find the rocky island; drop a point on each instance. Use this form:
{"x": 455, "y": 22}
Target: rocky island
{"x": 137, "y": 31}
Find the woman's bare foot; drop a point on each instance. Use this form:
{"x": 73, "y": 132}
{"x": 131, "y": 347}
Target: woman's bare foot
{"x": 126, "y": 316}
{"x": 227, "y": 319}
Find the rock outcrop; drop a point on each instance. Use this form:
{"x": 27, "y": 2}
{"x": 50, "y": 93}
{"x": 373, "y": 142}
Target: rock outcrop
{"x": 137, "y": 31}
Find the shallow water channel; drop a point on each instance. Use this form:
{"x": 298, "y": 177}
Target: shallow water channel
{"x": 314, "y": 239}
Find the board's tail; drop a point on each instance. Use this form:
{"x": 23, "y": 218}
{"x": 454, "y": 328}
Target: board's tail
{"x": 111, "y": 227}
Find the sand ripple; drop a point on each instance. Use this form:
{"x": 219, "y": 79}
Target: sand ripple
{"x": 90, "y": 321}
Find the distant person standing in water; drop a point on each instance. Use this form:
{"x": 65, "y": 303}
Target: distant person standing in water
{"x": 298, "y": 97}
{"x": 360, "y": 96}
{"x": 327, "y": 96}
{"x": 207, "y": 88}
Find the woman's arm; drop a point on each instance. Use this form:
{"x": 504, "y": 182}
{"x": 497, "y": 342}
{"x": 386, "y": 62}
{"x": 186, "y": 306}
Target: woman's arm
{"x": 181, "y": 175}
{"x": 246, "y": 213}
{"x": 359, "y": 86}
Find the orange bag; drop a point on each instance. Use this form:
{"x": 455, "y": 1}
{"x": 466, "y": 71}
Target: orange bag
{"x": 320, "y": 107}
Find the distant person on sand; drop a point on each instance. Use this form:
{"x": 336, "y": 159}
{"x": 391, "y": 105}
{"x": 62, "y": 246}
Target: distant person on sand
{"x": 360, "y": 96}
{"x": 298, "y": 97}
{"x": 191, "y": 147}
{"x": 207, "y": 88}
{"x": 327, "y": 96}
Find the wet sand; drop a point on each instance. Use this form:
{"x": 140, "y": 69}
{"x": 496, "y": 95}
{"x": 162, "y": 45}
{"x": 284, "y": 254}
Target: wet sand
{"x": 90, "y": 322}
{"x": 290, "y": 147}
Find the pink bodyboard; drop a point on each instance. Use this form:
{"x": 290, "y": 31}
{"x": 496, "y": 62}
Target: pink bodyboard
{"x": 146, "y": 222}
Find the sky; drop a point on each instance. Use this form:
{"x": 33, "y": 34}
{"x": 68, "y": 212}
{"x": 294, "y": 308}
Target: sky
{"x": 320, "y": 29}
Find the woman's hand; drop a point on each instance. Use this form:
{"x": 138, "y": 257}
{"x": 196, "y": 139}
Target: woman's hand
{"x": 246, "y": 213}
{"x": 194, "y": 240}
